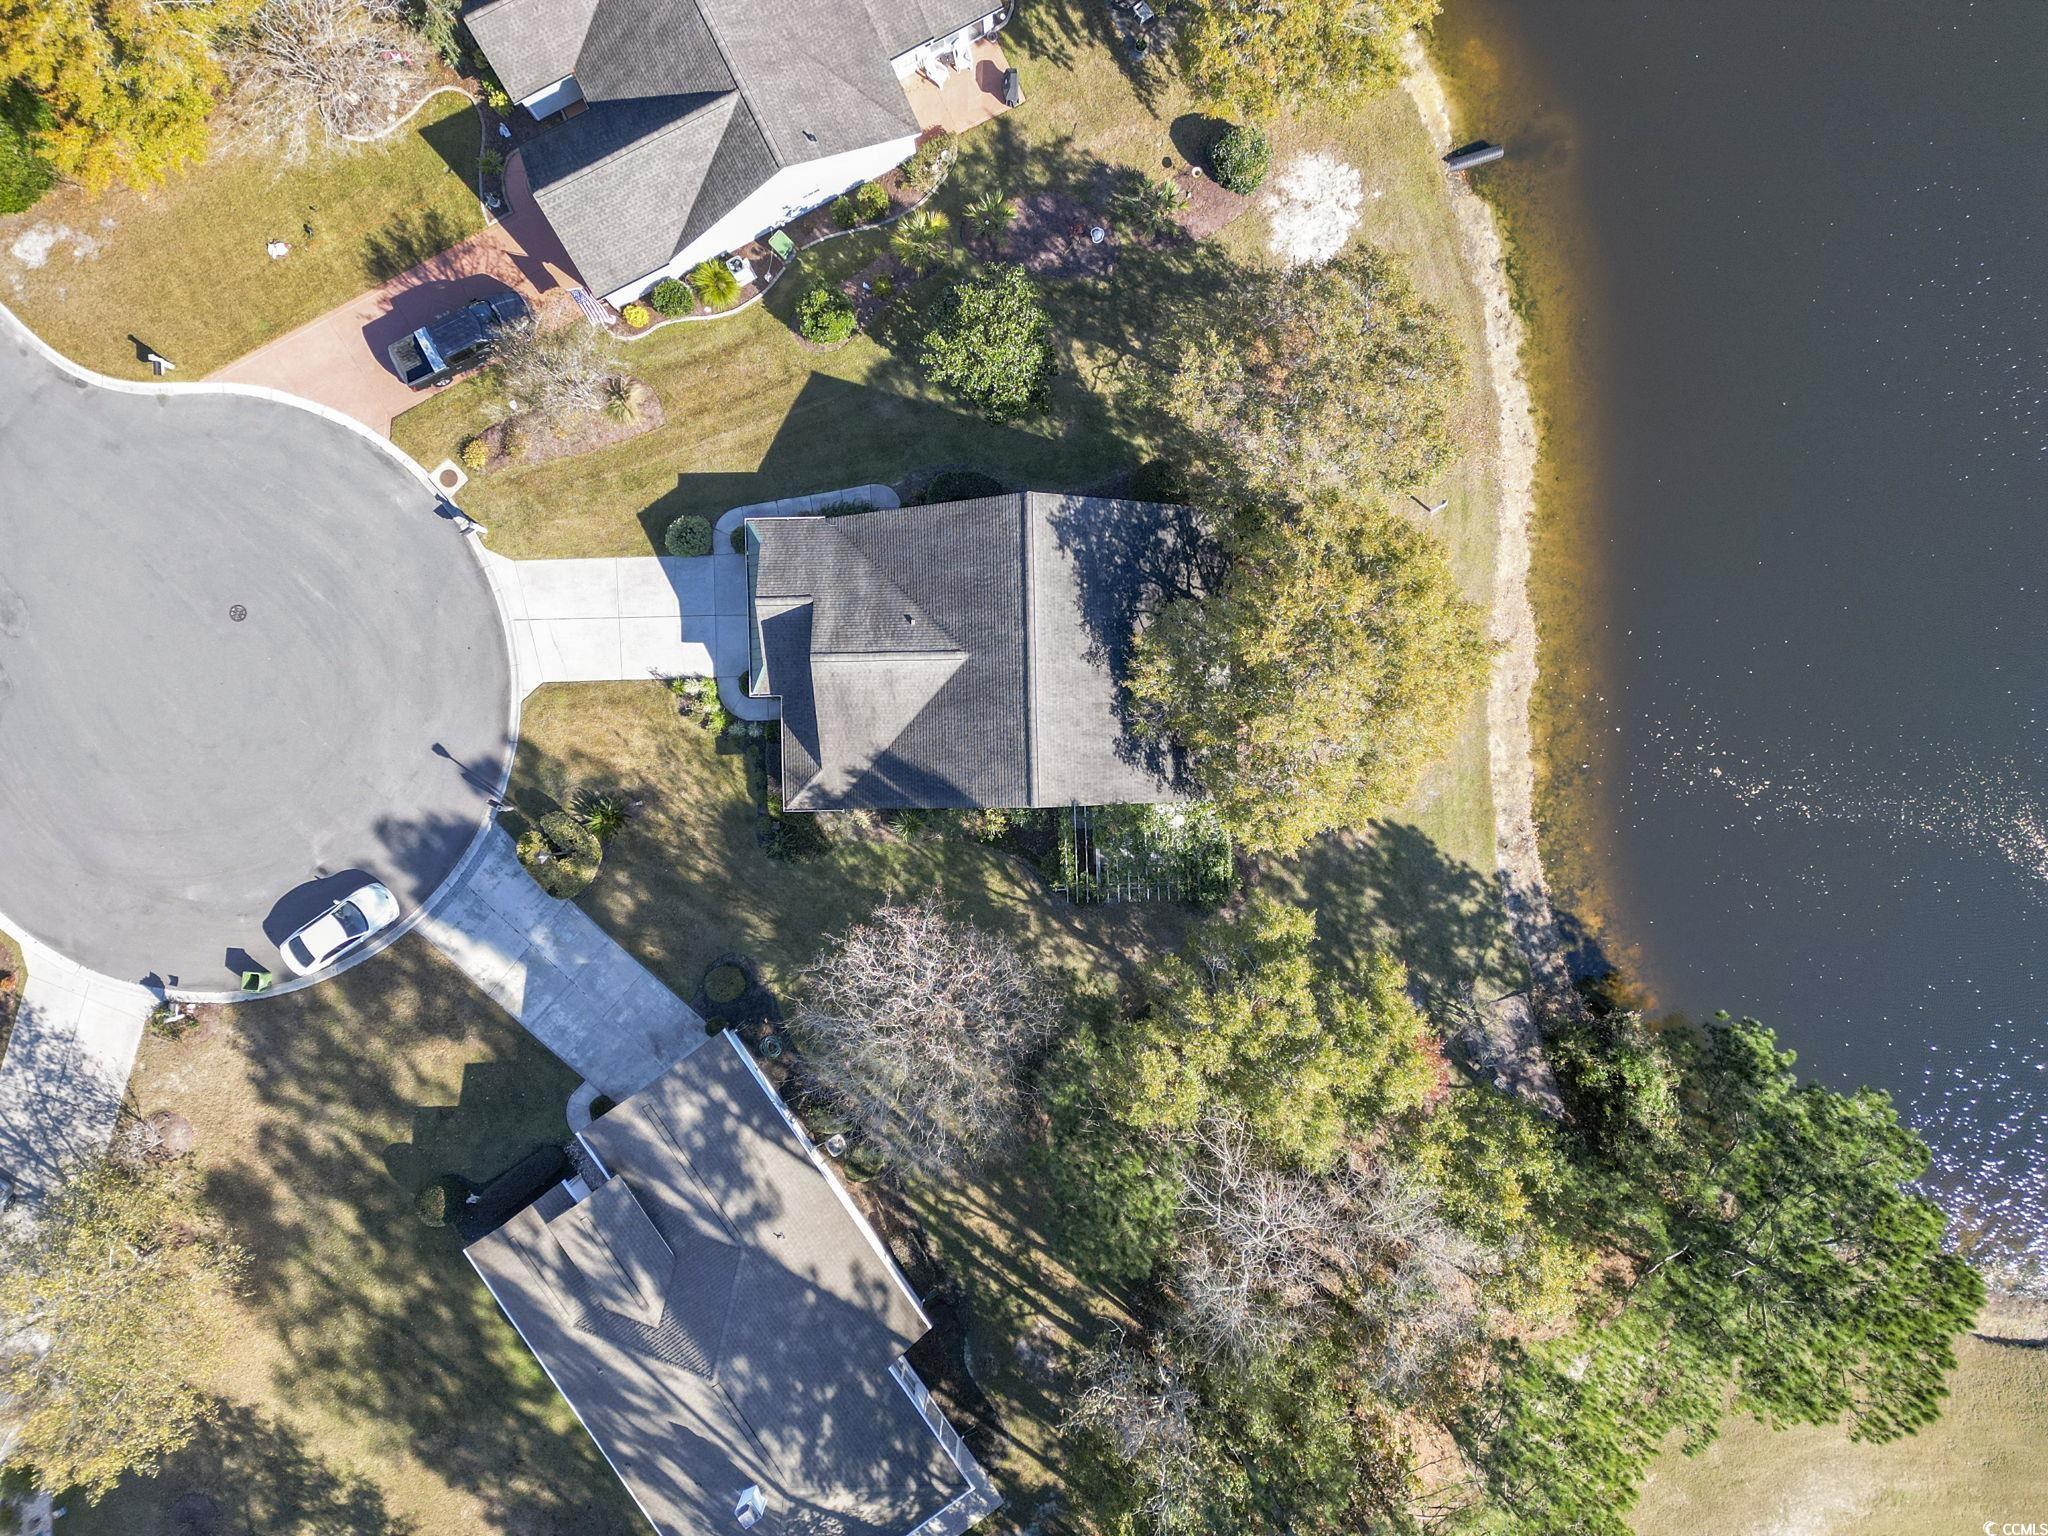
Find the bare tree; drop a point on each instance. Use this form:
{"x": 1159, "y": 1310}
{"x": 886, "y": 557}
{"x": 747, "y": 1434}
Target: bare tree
{"x": 555, "y": 373}
{"x": 1255, "y": 1243}
{"x": 1144, "y": 1413}
{"x": 304, "y": 72}
{"x": 918, "y": 1028}
{"x": 1416, "y": 1277}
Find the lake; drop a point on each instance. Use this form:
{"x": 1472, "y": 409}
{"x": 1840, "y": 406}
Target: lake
{"x": 1787, "y": 268}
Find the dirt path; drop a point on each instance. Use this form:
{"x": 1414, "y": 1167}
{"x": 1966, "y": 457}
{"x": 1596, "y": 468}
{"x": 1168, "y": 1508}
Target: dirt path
{"x": 1514, "y": 1037}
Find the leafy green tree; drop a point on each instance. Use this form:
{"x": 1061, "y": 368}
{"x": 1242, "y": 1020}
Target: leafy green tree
{"x": 1781, "y": 1268}
{"x": 992, "y": 342}
{"x": 1262, "y": 57}
{"x": 129, "y": 86}
{"x": 1309, "y": 689}
{"x": 1114, "y": 1194}
{"x": 24, "y": 174}
{"x": 1320, "y": 378}
{"x": 112, "y": 1307}
{"x": 1245, "y": 1021}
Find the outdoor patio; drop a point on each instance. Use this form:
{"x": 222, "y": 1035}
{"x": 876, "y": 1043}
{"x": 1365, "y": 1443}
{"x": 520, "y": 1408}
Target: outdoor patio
{"x": 968, "y": 96}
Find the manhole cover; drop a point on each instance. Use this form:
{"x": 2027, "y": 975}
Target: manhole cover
{"x": 238, "y": 613}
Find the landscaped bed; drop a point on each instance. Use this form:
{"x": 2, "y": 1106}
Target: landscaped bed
{"x": 182, "y": 268}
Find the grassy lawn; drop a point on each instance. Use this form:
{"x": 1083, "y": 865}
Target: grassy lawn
{"x": 183, "y": 269}
{"x": 376, "y": 1389}
{"x": 13, "y": 977}
{"x": 1977, "y": 1463}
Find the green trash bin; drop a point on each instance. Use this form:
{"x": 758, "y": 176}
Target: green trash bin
{"x": 782, "y": 245}
{"x": 256, "y": 981}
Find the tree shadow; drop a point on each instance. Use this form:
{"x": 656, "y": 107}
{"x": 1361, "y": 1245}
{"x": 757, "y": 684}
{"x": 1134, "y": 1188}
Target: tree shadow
{"x": 457, "y": 139}
{"x": 1052, "y": 29}
{"x": 247, "y": 1474}
{"x": 406, "y": 242}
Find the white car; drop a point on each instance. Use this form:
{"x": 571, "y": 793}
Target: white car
{"x": 366, "y": 910}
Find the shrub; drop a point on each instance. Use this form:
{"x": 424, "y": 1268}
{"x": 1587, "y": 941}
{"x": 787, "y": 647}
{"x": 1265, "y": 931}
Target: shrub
{"x": 669, "y": 297}
{"x": 724, "y": 984}
{"x": 495, "y": 97}
{"x": 959, "y": 485}
{"x": 738, "y": 540}
{"x": 24, "y": 174}
{"x": 992, "y": 342}
{"x": 1241, "y": 158}
{"x": 618, "y": 400}
{"x": 512, "y": 439}
{"x": 490, "y": 162}
{"x": 843, "y": 508}
{"x": 437, "y": 1203}
{"x": 1157, "y": 480}
{"x": 845, "y": 213}
{"x": 605, "y": 814}
{"x": 476, "y": 454}
{"x": 795, "y": 837}
{"x": 825, "y": 316}
{"x": 921, "y": 240}
{"x": 715, "y": 284}
{"x": 636, "y": 315}
{"x": 871, "y": 200}
{"x": 924, "y": 171}
{"x": 562, "y": 854}
{"x": 171, "y": 1021}
{"x": 688, "y": 536}
{"x": 699, "y": 700}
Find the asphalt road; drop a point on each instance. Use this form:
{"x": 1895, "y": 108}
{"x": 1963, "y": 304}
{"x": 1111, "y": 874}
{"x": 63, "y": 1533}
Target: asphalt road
{"x": 243, "y": 661}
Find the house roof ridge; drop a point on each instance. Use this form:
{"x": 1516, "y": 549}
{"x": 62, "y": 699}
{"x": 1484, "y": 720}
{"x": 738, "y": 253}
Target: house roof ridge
{"x": 634, "y": 146}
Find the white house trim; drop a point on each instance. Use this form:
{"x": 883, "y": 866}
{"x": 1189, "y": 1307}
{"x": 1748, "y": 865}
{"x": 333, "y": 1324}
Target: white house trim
{"x": 551, "y": 99}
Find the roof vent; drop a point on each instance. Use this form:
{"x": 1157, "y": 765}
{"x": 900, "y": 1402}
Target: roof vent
{"x": 749, "y": 1508}
{"x": 910, "y": 618}
{"x": 810, "y": 135}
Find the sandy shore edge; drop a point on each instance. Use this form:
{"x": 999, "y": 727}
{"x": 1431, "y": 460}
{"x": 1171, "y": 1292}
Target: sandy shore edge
{"x": 1518, "y": 860}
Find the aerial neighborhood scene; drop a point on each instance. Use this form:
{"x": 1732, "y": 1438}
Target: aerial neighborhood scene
{"x": 1100, "y": 768}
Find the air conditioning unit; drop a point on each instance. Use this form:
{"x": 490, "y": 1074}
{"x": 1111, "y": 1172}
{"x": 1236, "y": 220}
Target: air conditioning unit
{"x": 749, "y": 1508}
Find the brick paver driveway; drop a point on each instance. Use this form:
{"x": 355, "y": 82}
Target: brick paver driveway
{"x": 339, "y": 359}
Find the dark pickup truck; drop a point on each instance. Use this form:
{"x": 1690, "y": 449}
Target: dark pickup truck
{"x": 460, "y": 339}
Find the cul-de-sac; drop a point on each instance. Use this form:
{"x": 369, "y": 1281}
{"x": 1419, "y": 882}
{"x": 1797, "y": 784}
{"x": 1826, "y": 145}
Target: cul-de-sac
{"x": 878, "y": 767}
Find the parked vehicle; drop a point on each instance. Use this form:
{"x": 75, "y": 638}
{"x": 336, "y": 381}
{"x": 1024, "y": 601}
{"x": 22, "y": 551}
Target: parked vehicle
{"x": 460, "y": 339}
{"x": 367, "y": 910}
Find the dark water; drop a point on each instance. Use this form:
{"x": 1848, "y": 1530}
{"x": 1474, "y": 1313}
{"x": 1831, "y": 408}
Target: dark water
{"x": 1789, "y": 262}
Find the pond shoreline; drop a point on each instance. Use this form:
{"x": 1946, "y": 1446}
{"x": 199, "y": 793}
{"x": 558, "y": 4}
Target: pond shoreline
{"x": 1518, "y": 858}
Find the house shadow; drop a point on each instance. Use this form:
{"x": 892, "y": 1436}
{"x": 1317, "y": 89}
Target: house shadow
{"x": 897, "y": 432}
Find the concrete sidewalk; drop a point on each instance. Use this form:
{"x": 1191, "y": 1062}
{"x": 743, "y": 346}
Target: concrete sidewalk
{"x": 561, "y": 976}
{"x": 590, "y": 621}
{"x": 66, "y": 1069}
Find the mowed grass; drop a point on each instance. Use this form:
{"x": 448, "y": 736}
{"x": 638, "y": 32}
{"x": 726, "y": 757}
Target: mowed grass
{"x": 182, "y": 267}
{"x": 374, "y": 1388}
{"x": 1981, "y": 1462}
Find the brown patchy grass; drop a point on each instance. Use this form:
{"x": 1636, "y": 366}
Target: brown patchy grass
{"x": 182, "y": 267}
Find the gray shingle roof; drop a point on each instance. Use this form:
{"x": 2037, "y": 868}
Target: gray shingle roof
{"x": 961, "y": 655}
{"x": 625, "y": 183}
{"x": 718, "y": 1317}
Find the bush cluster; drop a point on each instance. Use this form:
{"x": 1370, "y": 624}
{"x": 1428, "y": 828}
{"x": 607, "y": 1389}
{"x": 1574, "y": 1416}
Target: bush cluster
{"x": 1241, "y": 158}
{"x": 863, "y": 205}
{"x": 959, "y": 485}
{"x": 636, "y": 315}
{"x": 671, "y": 298}
{"x": 476, "y": 454}
{"x": 924, "y": 171}
{"x": 562, "y": 854}
{"x": 698, "y": 699}
{"x": 688, "y": 536}
{"x": 825, "y": 316}
{"x": 724, "y": 983}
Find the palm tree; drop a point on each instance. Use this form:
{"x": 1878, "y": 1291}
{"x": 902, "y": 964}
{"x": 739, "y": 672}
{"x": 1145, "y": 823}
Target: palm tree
{"x": 921, "y": 241}
{"x": 990, "y": 214}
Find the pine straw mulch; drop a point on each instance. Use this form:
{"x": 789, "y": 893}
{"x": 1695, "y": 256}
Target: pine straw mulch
{"x": 1208, "y": 207}
{"x": 539, "y": 441}
{"x": 874, "y": 286}
{"x": 1048, "y": 237}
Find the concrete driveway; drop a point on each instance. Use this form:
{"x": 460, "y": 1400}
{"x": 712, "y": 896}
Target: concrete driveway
{"x": 339, "y": 359}
{"x": 244, "y": 662}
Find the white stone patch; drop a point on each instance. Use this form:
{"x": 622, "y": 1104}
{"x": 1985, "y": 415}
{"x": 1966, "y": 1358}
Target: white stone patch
{"x": 1314, "y": 208}
{"x": 34, "y": 246}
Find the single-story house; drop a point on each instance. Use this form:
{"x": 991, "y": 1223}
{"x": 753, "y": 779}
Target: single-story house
{"x": 689, "y": 127}
{"x": 960, "y": 655}
{"x": 727, "y": 1326}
